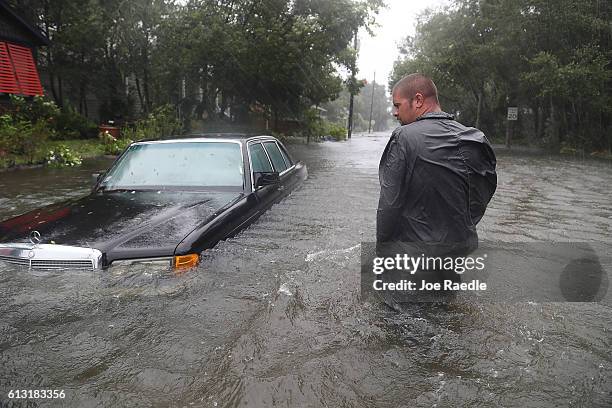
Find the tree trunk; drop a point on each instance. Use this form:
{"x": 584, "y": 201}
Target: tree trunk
{"x": 147, "y": 99}
{"x": 140, "y": 97}
{"x": 575, "y": 120}
{"x": 145, "y": 78}
{"x": 84, "y": 98}
{"x": 61, "y": 91}
{"x": 540, "y": 122}
{"x": 275, "y": 114}
{"x": 49, "y": 55}
{"x": 52, "y": 86}
{"x": 553, "y": 129}
{"x": 478, "y": 109}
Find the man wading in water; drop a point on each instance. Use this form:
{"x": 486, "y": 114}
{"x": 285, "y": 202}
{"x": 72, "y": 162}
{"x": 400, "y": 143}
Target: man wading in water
{"x": 436, "y": 175}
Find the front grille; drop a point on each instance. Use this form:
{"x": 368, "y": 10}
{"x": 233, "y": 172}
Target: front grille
{"x": 50, "y": 265}
{"x": 15, "y": 261}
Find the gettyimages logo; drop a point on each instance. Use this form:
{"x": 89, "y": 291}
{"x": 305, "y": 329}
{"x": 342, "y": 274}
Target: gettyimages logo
{"x": 412, "y": 264}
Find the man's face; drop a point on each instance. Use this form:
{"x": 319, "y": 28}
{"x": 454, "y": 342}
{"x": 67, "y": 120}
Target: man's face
{"x": 404, "y": 109}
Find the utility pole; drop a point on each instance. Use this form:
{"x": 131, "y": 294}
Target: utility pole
{"x": 352, "y": 86}
{"x": 372, "y": 104}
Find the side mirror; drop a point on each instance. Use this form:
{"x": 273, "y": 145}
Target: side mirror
{"x": 261, "y": 179}
{"x": 95, "y": 178}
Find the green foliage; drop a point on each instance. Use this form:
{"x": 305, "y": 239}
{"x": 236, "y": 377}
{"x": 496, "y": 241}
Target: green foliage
{"x": 113, "y": 146}
{"x": 69, "y": 124}
{"x": 21, "y": 137}
{"x": 211, "y": 59}
{"x": 337, "y": 131}
{"x": 31, "y": 137}
{"x": 9, "y": 132}
{"x": 29, "y": 123}
{"x": 316, "y": 127}
{"x": 280, "y": 136}
{"x": 82, "y": 147}
{"x": 34, "y": 110}
{"x": 62, "y": 156}
{"x": 160, "y": 123}
{"x": 551, "y": 59}
{"x": 313, "y": 126}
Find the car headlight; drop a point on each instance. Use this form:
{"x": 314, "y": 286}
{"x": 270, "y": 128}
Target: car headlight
{"x": 165, "y": 261}
{"x": 176, "y": 262}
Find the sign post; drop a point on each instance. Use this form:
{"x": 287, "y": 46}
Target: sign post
{"x": 512, "y": 113}
{"x": 512, "y": 117}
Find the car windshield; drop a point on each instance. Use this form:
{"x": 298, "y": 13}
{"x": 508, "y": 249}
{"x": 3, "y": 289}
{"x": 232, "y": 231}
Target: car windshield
{"x": 190, "y": 165}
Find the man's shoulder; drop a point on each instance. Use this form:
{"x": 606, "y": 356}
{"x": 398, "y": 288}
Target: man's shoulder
{"x": 410, "y": 135}
{"x": 416, "y": 131}
{"x": 408, "y": 132}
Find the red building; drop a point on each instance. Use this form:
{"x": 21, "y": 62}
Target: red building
{"x": 18, "y": 43}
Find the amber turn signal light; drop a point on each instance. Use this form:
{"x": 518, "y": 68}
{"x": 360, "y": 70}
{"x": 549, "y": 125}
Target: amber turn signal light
{"x": 186, "y": 261}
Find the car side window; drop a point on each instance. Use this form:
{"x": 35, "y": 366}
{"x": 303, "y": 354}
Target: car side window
{"x": 285, "y": 155}
{"x": 259, "y": 159}
{"x": 276, "y": 156}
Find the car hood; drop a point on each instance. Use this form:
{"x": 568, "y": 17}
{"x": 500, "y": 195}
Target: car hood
{"x": 119, "y": 220}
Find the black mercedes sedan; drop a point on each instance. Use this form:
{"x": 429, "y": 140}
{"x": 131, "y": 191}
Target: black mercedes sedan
{"x": 161, "y": 202}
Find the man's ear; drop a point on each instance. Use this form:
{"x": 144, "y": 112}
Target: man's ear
{"x": 419, "y": 100}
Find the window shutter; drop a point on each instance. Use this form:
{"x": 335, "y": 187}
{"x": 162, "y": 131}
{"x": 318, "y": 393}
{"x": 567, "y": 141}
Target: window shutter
{"x": 8, "y": 82}
{"x": 25, "y": 70}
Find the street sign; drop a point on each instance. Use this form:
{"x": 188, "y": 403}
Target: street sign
{"x": 512, "y": 113}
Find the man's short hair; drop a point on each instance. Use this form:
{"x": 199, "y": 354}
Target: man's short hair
{"x": 412, "y": 84}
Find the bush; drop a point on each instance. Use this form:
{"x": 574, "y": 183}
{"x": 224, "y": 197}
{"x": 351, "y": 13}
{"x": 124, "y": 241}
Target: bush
{"x": 64, "y": 124}
{"x": 33, "y": 136}
{"x": 70, "y": 124}
{"x": 34, "y": 110}
{"x": 112, "y": 145}
{"x": 62, "y": 157}
{"x": 280, "y": 136}
{"x": 336, "y": 131}
{"x": 158, "y": 124}
{"x": 8, "y": 131}
{"x": 317, "y": 128}
{"x": 21, "y": 137}
{"x": 26, "y": 126}
{"x": 313, "y": 127}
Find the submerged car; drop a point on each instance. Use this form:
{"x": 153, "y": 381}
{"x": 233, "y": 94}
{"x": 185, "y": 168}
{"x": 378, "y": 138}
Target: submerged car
{"x": 162, "y": 201}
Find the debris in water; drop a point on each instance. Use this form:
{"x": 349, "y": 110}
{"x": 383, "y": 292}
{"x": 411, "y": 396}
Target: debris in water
{"x": 284, "y": 288}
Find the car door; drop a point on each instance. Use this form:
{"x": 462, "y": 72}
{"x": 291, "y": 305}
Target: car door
{"x": 283, "y": 165}
{"x": 261, "y": 162}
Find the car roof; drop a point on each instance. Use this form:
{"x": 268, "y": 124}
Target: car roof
{"x": 240, "y": 137}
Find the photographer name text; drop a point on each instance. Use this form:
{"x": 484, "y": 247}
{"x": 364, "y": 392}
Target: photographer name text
{"x": 407, "y": 285}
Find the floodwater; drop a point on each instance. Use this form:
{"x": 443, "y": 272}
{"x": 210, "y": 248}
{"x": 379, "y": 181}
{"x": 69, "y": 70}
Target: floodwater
{"x": 274, "y": 317}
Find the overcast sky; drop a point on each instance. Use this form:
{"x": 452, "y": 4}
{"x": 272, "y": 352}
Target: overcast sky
{"x": 396, "y": 22}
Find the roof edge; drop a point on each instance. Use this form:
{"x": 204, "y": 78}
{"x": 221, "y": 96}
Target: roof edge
{"x": 35, "y": 31}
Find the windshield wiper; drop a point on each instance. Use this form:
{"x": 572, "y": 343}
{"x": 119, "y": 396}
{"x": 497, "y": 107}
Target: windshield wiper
{"x": 104, "y": 189}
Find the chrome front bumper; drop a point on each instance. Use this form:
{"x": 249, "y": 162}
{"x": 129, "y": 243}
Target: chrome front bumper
{"x": 49, "y": 257}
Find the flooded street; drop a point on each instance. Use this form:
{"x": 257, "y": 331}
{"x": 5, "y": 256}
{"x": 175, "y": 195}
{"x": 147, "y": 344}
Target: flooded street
{"x": 274, "y": 317}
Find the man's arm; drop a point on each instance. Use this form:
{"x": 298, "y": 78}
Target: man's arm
{"x": 392, "y": 174}
{"x": 483, "y": 180}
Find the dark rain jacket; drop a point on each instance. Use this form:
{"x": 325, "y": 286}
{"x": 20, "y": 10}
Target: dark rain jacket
{"x": 436, "y": 177}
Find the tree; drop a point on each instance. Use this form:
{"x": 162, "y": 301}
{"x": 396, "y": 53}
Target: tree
{"x": 208, "y": 58}
{"x": 382, "y": 120}
{"x": 550, "y": 59}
